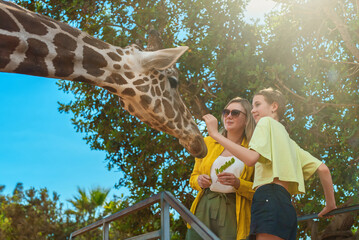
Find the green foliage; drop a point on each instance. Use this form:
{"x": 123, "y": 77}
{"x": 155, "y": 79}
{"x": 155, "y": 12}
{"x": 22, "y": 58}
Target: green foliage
{"x": 308, "y": 50}
{"x": 32, "y": 214}
{"x": 225, "y": 166}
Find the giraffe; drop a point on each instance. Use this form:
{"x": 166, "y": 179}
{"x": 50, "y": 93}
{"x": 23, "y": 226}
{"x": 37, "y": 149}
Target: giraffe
{"x": 145, "y": 81}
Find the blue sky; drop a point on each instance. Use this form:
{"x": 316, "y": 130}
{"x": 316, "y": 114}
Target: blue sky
{"x": 40, "y": 147}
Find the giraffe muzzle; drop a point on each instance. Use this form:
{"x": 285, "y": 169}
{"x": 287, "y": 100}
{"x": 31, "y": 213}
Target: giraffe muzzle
{"x": 195, "y": 146}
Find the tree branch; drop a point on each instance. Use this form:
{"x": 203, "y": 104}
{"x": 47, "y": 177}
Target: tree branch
{"x": 331, "y": 61}
{"x": 303, "y": 99}
{"x": 343, "y": 30}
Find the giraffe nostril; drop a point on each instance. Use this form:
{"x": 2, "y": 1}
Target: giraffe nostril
{"x": 173, "y": 82}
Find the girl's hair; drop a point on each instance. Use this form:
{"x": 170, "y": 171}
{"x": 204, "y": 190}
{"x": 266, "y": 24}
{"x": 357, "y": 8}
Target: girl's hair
{"x": 270, "y": 96}
{"x": 250, "y": 123}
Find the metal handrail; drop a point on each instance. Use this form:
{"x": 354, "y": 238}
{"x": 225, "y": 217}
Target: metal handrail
{"x": 167, "y": 200}
{"x": 331, "y": 213}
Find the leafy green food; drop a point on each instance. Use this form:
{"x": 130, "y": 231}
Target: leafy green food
{"x": 225, "y": 166}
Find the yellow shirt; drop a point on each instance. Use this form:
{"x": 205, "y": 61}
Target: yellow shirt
{"x": 244, "y": 193}
{"x": 281, "y": 157}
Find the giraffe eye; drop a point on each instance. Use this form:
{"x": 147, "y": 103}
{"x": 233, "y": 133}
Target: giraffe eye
{"x": 173, "y": 82}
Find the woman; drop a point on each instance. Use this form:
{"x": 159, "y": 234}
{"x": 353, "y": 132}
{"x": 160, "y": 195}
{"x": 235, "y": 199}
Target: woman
{"x": 281, "y": 167}
{"x": 224, "y": 199}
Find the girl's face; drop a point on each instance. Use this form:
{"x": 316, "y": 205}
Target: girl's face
{"x": 234, "y": 117}
{"x": 261, "y": 108}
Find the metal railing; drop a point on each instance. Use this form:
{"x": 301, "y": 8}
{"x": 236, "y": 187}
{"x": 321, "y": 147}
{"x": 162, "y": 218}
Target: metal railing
{"x": 331, "y": 213}
{"x": 166, "y": 200}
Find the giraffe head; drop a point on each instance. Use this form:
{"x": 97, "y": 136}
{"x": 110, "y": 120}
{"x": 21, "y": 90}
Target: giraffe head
{"x": 145, "y": 81}
{"x": 148, "y": 89}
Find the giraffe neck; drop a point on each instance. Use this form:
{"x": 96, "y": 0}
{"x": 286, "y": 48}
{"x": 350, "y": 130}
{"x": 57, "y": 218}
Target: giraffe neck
{"x": 37, "y": 45}
{"x": 145, "y": 81}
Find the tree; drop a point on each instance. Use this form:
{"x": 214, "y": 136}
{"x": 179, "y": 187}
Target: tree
{"x": 88, "y": 208}
{"x": 308, "y": 50}
{"x": 32, "y": 214}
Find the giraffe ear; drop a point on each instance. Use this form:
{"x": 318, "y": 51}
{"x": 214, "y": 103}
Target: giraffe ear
{"x": 161, "y": 59}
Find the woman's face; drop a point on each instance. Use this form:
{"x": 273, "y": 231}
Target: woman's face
{"x": 261, "y": 108}
{"x": 236, "y": 122}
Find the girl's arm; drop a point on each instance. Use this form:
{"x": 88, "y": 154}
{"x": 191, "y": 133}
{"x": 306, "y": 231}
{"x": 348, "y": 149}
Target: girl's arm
{"x": 249, "y": 157}
{"x": 327, "y": 183}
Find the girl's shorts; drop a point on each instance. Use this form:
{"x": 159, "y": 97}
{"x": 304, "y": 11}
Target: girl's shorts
{"x": 273, "y": 213}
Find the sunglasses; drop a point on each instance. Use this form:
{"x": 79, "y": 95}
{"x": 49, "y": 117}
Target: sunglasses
{"x": 235, "y": 113}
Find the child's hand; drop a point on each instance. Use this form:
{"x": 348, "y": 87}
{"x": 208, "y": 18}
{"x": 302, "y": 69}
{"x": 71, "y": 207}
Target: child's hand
{"x": 326, "y": 209}
{"x": 212, "y": 124}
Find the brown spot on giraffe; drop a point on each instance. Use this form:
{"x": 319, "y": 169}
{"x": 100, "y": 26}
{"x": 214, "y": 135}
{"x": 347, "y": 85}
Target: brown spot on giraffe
{"x": 96, "y": 43}
{"x": 48, "y": 22}
{"x": 158, "y": 106}
{"x": 119, "y": 52}
{"x": 36, "y": 52}
{"x": 168, "y": 109}
{"x": 6, "y": 22}
{"x": 93, "y": 62}
{"x": 117, "y": 66}
{"x": 171, "y": 125}
{"x": 129, "y": 75}
{"x": 167, "y": 95}
{"x": 114, "y": 57}
{"x": 129, "y": 92}
{"x": 64, "y": 60}
{"x": 8, "y": 45}
{"x": 125, "y": 66}
{"x": 72, "y": 31}
{"x": 162, "y": 85}
{"x": 145, "y": 101}
{"x": 158, "y": 91}
{"x": 143, "y": 88}
{"x": 29, "y": 23}
{"x": 138, "y": 82}
{"x": 116, "y": 78}
{"x": 153, "y": 91}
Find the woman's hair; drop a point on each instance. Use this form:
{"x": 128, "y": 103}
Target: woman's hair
{"x": 270, "y": 96}
{"x": 250, "y": 123}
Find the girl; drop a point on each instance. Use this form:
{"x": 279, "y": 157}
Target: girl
{"x": 281, "y": 167}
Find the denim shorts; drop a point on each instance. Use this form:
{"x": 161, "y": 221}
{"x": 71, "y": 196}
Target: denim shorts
{"x": 273, "y": 213}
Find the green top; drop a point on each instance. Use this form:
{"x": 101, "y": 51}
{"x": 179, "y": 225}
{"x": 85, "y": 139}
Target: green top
{"x": 281, "y": 157}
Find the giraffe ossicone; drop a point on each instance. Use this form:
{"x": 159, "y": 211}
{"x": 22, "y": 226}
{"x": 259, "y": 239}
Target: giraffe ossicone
{"x": 145, "y": 81}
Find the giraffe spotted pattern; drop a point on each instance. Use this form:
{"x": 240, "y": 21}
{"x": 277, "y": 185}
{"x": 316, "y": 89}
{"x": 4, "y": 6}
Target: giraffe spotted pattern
{"x": 145, "y": 82}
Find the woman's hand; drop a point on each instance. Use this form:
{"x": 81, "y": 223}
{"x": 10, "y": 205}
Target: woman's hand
{"x": 204, "y": 181}
{"x": 212, "y": 124}
{"x": 230, "y": 179}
